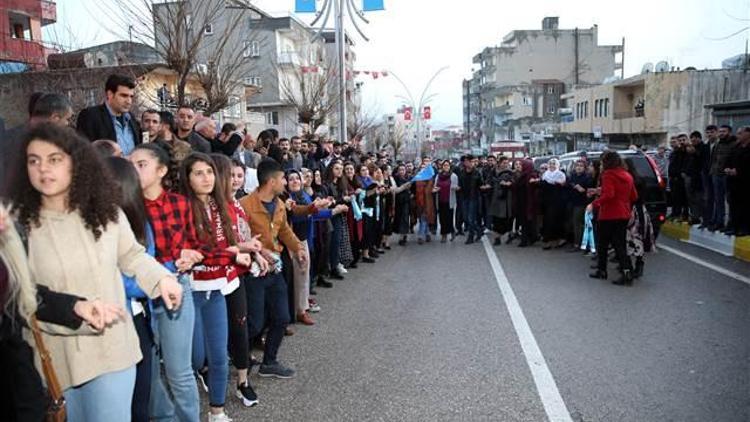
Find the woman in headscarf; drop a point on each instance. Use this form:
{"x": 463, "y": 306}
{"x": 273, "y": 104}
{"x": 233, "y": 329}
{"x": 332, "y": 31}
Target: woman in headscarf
{"x": 554, "y": 204}
{"x": 525, "y": 202}
{"x": 501, "y": 203}
{"x": 446, "y": 184}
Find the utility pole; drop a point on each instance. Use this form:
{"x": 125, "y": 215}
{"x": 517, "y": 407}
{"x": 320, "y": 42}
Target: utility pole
{"x": 622, "y": 62}
{"x": 575, "y": 32}
{"x": 341, "y": 53}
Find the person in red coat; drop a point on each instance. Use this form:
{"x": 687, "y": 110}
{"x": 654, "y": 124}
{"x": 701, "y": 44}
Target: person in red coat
{"x": 615, "y": 204}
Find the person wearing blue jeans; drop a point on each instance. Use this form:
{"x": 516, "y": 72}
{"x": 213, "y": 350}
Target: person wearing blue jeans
{"x": 105, "y": 398}
{"x": 210, "y": 341}
{"x": 334, "y": 255}
{"x": 471, "y": 215}
{"x": 173, "y": 337}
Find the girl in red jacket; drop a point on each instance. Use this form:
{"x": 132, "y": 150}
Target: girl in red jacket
{"x": 615, "y": 205}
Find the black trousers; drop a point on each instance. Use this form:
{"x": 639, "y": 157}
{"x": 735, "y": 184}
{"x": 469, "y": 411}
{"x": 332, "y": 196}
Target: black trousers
{"x": 239, "y": 346}
{"x": 142, "y": 390}
{"x": 612, "y": 232}
{"x": 445, "y": 214}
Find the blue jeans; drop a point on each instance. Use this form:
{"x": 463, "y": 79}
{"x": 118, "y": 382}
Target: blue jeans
{"x": 210, "y": 341}
{"x": 173, "y": 335}
{"x": 423, "y": 229}
{"x": 471, "y": 214}
{"x": 105, "y": 398}
{"x": 720, "y": 194}
{"x": 267, "y": 296}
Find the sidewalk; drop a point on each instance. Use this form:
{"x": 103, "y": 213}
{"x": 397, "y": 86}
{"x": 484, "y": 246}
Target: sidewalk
{"x": 738, "y": 247}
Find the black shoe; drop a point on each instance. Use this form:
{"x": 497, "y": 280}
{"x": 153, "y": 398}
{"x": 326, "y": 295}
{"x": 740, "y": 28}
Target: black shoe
{"x": 322, "y": 282}
{"x": 498, "y": 241}
{"x": 602, "y": 275}
{"x": 470, "y": 240}
{"x": 275, "y": 370}
{"x": 626, "y": 279}
{"x": 638, "y": 271}
{"x": 246, "y": 393}
{"x": 460, "y": 234}
{"x": 313, "y": 292}
{"x": 368, "y": 260}
{"x": 523, "y": 244}
{"x": 594, "y": 266}
{"x": 352, "y": 265}
{"x": 388, "y": 248}
{"x": 729, "y": 232}
{"x": 402, "y": 242}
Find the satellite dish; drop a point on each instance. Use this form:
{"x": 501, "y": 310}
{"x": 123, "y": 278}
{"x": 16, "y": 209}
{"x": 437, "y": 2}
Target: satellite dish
{"x": 647, "y": 68}
{"x": 662, "y": 67}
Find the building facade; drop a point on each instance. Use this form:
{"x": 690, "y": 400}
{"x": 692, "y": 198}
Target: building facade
{"x": 646, "y": 109}
{"x": 21, "y": 44}
{"x": 519, "y": 82}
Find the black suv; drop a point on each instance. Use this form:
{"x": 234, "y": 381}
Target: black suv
{"x": 655, "y": 186}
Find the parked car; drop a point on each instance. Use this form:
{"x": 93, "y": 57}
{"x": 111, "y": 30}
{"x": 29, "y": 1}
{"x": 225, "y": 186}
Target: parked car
{"x": 655, "y": 189}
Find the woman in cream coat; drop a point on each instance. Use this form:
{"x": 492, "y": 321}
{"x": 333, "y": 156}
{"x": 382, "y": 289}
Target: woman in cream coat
{"x": 79, "y": 242}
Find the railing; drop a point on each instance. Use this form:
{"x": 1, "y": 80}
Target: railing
{"x": 24, "y": 51}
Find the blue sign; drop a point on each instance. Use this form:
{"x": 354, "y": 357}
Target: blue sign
{"x": 304, "y": 6}
{"x": 372, "y": 5}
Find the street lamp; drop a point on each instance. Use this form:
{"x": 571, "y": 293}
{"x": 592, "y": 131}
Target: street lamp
{"x": 340, "y": 9}
{"x": 424, "y": 99}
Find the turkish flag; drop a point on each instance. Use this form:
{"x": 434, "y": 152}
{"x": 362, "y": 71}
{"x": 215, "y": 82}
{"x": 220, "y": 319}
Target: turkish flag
{"x": 427, "y": 113}
{"x": 407, "y": 114}
{"x": 375, "y": 75}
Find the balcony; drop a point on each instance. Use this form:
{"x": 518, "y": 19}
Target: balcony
{"x": 22, "y": 51}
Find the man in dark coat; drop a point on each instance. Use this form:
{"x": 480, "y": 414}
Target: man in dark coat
{"x": 112, "y": 119}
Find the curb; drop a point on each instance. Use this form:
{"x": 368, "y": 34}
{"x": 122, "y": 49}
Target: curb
{"x": 717, "y": 242}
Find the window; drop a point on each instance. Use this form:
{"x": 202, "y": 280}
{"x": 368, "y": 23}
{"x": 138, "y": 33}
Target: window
{"x": 585, "y": 109}
{"x": 272, "y": 118}
{"x": 189, "y": 20}
{"x": 606, "y": 107}
{"x": 201, "y": 68}
{"x": 596, "y": 108}
{"x": 526, "y": 100}
{"x": 550, "y": 90}
{"x": 208, "y": 29}
{"x": 254, "y": 81}
{"x": 551, "y": 109}
{"x": 251, "y": 49}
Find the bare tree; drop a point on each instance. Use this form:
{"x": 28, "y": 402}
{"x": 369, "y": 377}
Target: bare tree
{"x": 362, "y": 123}
{"x": 396, "y": 135}
{"x": 179, "y": 31}
{"x": 307, "y": 89}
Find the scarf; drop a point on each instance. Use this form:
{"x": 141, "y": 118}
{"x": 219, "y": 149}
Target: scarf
{"x": 553, "y": 177}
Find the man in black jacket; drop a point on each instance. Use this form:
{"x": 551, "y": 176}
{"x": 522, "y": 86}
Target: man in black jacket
{"x": 469, "y": 181}
{"x": 185, "y": 123}
{"x": 112, "y": 119}
{"x": 228, "y": 141}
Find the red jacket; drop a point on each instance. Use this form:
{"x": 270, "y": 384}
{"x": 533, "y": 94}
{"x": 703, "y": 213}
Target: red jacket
{"x": 618, "y": 195}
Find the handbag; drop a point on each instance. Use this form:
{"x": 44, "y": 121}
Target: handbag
{"x": 56, "y": 409}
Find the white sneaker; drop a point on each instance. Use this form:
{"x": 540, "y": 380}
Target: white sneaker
{"x": 221, "y": 417}
{"x": 341, "y": 269}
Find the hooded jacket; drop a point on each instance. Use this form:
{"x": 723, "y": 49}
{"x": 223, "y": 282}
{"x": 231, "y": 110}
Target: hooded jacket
{"x": 618, "y": 195}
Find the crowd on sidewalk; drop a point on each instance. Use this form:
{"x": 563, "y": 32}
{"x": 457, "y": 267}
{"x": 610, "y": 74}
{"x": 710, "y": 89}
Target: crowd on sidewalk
{"x": 706, "y": 174}
{"x": 151, "y": 254}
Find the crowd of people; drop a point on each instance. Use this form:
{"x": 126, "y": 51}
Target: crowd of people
{"x": 706, "y": 173}
{"x": 156, "y": 252}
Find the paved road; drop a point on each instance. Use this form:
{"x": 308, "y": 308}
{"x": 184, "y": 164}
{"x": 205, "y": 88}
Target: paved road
{"x": 424, "y": 334}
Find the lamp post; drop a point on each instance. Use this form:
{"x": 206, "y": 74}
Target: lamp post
{"x": 418, "y": 106}
{"x": 339, "y": 9}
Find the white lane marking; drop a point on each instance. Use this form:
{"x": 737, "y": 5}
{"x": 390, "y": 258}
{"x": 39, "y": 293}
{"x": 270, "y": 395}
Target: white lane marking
{"x": 553, "y": 403}
{"x": 710, "y": 266}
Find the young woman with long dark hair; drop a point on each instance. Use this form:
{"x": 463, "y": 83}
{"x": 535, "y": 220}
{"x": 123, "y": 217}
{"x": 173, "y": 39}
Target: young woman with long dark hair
{"x": 335, "y": 188}
{"x": 213, "y": 226}
{"x": 64, "y": 197}
{"x": 615, "y": 206}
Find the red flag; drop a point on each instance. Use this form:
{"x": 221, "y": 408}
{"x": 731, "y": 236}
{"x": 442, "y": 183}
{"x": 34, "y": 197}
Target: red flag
{"x": 407, "y": 114}
{"x": 375, "y": 75}
{"x": 304, "y": 69}
{"x": 384, "y": 73}
{"x": 427, "y": 113}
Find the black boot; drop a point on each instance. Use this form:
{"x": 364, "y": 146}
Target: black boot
{"x": 470, "y": 239}
{"x": 638, "y": 272}
{"x": 600, "y": 274}
{"x": 626, "y": 279}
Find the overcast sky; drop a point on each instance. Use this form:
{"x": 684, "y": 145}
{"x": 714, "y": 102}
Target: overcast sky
{"x": 415, "y": 38}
